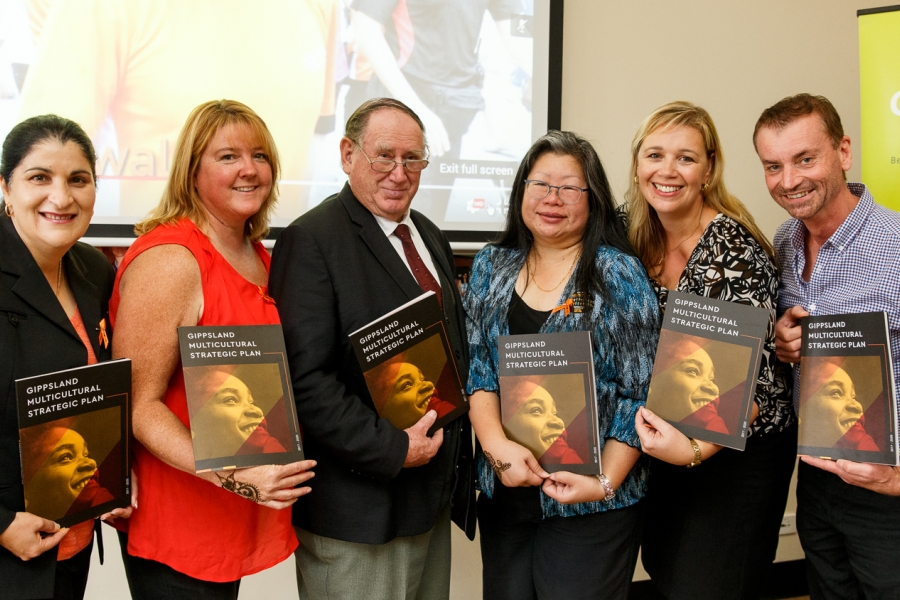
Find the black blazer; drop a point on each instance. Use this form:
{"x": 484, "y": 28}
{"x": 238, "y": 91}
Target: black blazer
{"x": 36, "y": 337}
{"x": 333, "y": 271}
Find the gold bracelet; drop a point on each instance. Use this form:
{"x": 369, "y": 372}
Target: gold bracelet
{"x": 697, "y": 456}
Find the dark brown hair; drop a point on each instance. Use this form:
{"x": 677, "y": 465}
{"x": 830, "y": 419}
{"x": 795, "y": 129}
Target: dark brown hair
{"x": 603, "y": 228}
{"x": 22, "y": 139}
{"x": 788, "y": 110}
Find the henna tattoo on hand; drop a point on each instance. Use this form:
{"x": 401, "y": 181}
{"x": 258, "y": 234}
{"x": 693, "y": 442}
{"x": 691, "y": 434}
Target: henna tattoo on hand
{"x": 498, "y": 466}
{"x": 241, "y": 488}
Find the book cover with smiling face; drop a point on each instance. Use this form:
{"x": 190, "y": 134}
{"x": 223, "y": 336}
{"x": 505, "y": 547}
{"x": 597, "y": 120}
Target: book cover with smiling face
{"x": 74, "y": 440}
{"x": 548, "y": 399}
{"x": 408, "y": 365}
{"x": 239, "y": 398}
{"x": 847, "y": 401}
{"x": 706, "y": 367}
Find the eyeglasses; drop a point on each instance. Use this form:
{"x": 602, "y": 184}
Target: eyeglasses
{"x": 567, "y": 194}
{"x": 383, "y": 165}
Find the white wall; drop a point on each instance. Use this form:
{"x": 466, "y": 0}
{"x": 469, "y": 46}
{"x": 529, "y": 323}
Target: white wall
{"x": 622, "y": 60}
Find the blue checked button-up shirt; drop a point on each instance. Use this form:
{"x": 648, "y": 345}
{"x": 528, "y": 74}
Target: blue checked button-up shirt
{"x": 857, "y": 269}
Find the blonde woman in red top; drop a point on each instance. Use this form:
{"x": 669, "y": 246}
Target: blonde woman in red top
{"x": 199, "y": 261}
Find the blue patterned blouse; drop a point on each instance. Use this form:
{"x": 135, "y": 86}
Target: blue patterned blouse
{"x": 625, "y": 333}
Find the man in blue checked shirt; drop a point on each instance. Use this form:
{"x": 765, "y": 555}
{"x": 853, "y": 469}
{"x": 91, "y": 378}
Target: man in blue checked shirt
{"x": 840, "y": 253}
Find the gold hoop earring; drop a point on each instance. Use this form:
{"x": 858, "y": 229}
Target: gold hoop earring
{"x": 635, "y": 179}
{"x": 9, "y": 209}
{"x": 704, "y": 186}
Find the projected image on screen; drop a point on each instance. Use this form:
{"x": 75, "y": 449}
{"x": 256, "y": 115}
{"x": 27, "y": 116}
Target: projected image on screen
{"x": 130, "y": 71}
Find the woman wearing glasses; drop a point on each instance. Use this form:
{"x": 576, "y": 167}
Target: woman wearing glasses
{"x": 562, "y": 264}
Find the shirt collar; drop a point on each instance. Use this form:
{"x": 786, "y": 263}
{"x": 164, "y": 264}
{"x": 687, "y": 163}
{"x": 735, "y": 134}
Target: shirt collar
{"x": 388, "y": 226}
{"x": 857, "y": 217}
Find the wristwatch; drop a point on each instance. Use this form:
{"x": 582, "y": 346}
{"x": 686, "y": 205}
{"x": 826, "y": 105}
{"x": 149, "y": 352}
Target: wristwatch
{"x": 697, "y": 456}
{"x": 607, "y": 487}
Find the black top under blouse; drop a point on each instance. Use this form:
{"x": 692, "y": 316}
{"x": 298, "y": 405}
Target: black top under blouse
{"x": 523, "y": 319}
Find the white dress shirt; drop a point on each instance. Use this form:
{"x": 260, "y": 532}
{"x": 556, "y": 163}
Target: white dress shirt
{"x": 389, "y": 226}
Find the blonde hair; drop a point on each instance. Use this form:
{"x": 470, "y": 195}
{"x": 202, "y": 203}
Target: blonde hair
{"x": 180, "y": 199}
{"x": 645, "y": 232}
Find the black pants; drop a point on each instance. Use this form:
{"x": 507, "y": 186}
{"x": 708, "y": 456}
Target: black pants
{"x": 711, "y": 532}
{"x": 527, "y": 557}
{"x": 151, "y": 580}
{"x": 851, "y": 537}
{"x": 71, "y": 576}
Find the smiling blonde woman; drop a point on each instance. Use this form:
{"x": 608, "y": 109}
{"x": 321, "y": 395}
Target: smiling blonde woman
{"x": 693, "y": 236}
{"x": 199, "y": 261}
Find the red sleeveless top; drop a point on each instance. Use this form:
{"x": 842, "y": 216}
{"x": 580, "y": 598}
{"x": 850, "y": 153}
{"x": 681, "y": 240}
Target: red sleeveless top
{"x": 181, "y": 520}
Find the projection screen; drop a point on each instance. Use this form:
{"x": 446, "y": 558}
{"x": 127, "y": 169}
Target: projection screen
{"x": 480, "y": 72}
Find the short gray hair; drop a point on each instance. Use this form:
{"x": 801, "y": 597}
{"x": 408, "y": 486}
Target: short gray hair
{"x": 359, "y": 120}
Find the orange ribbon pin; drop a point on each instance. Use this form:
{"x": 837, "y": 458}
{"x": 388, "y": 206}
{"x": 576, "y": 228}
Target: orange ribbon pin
{"x": 103, "y": 339}
{"x": 566, "y": 307}
{"x": 264, "y": 295}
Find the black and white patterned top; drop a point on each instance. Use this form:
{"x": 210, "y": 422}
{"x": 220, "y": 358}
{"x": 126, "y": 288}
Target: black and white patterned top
{"x": 729, "y": 264}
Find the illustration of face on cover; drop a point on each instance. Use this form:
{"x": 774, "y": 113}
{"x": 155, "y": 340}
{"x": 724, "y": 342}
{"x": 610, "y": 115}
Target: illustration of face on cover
{"x": 547, "y": 415}
{"x": 699, "y": 382}
{"x": 409, "y": 384}
{"x": 236, "y": 410}
{"x": 842, "y": 403}
{"x": 60, "y": 462}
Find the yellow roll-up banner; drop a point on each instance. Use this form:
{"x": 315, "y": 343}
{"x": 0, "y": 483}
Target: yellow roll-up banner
{"x": 879, "y": 84}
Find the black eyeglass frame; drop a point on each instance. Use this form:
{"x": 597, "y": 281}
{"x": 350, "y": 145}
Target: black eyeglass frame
{"x": 558, "y": 188}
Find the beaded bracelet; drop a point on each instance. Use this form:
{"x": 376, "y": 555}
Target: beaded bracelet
{"x": 607, "y": 487}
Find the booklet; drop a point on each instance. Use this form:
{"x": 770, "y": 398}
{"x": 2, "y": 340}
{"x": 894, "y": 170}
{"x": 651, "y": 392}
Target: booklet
{"x": 548, "y": 399}
{"x": 848, "y": 404}
{"x": 74, "y": 441}
{"x": 706, "y": 367}
{"x": 239, "y": 396}
{"x": 408, "y": 364}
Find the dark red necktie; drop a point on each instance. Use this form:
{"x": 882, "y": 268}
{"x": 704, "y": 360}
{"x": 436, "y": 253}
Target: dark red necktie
{"x": 426, "y": 280}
